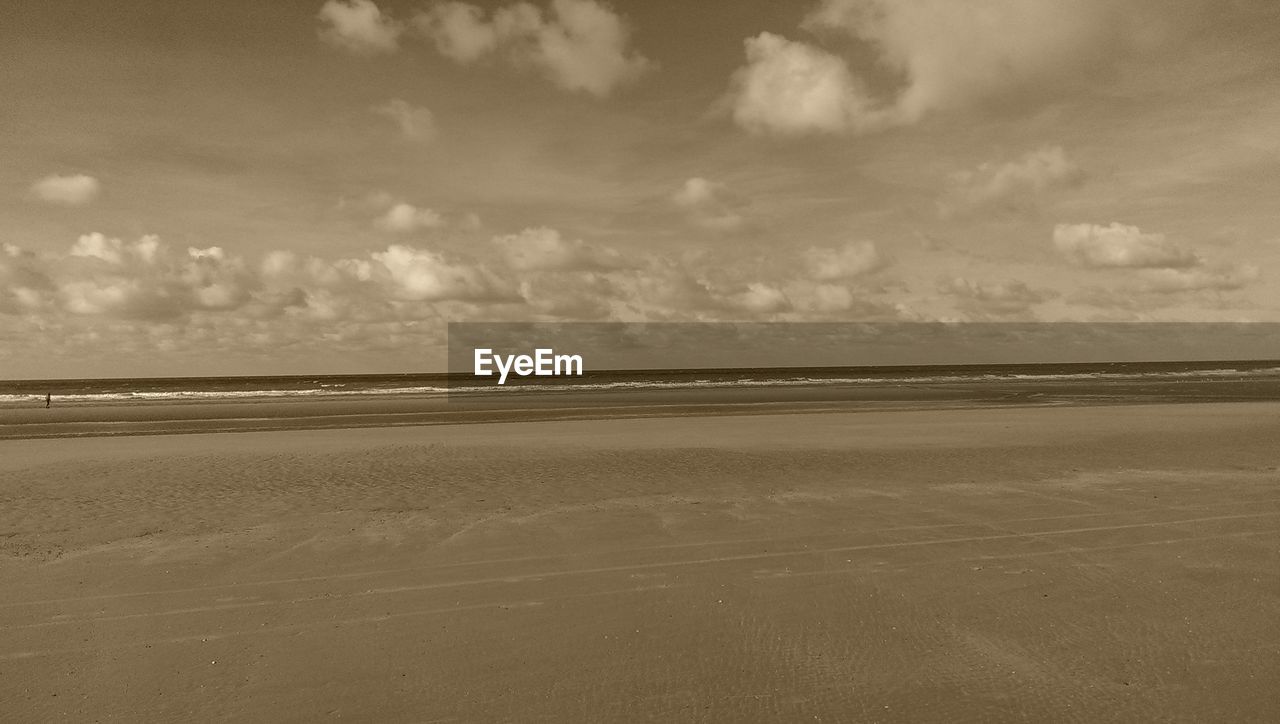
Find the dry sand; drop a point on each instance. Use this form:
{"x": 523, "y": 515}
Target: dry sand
{"x": 1089, "y": 564}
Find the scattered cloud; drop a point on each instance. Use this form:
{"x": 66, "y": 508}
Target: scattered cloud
{"x": 460, "y": 31}
{"x": 1120, "y": 246}
{"x": 579, "y": 45}
{"x": 406, "y": 218}
{"x": 933, "y": 54}
{"x": 416, "y": 123}
{"x": 24, "y": 286}
{"x": 144, "y": 279}
{"x": 543, "y": 249}
{"x": 851, "y": 260}
{"x": 359, "y": 27}
{"x": 1162, "y": 268}
{"x": 820, "y": 298}
{"x": 67, "y": 190}
{"x": 708, "y": 205}
{"x": 423, "y": 275}
{"x": 760, "y": 298}
{"x": 1219, "y": 279}
{"x": 1014, "y": 185}
{"x": 792, "y": 88}
{"x": 148, "y": 280}
{"x": 998, "y": 299}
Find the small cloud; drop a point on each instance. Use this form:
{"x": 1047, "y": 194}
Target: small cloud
{"x": 1120, "y": 246}
{"x": 461, "y": 31}
{"x": 67, "y": 190}
{"x": 792, "y": 88}
{"x": 146, "y": 280}
{"x": 760, "y": 298}
{"x": 851, "y": 260}
{"x": 1005, "y": 298}
{"x": 416, "y": 123}
{"x": 1221, "y": 279}
{"x": 580, "y": 45}
{"x": 407, "y": 218}
{"x": 707, "y": 205}
{"x": 821, "y": 298}
{"x": 359, "y": 27}
{"x": 423, "y": 275}
{"x": 946, "y": 56}
{"x": 543, "y": 249}
{"x": 1012, "y": 185}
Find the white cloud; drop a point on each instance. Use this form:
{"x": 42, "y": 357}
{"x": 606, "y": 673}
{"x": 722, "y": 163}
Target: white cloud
{"x": 707, "y": 205}
{"x": 543, "y": 249}
{"x": 941, "y": 54}
{"x": 422, "y": 275}
{"x": 24, "y": 286}
{"x": 460, "y": 31}
{"x": 791, "y": 88}
{"x": 1222, "y": 279}
{"x": 149, "y": 281}
{"x": 407, "y": 218}
{"x": 580, "y": 45}
{"x": 145, "y": 280}
{"x": 846, "y": 262}
{"x": 416, "y": 123}
{"x": 1122, "y": 246}
{"x": 760, "y": 298}
{"x": 1014, "y": 184}
{"x": 358, "y": 26}
{"x": 1006, "y": 298}
{"x": 67, "y": 190}
{"x": 115, "y": 251}
{"x": 695, "y": 192}
{"x": 820, "y": 298}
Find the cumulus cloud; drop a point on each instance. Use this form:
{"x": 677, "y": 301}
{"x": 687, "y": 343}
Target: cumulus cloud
{"x": 1006, "y": 298}
{"x": 460, "y": 31}
{"x": 24, "y": 287}
{"x": 415, "y": 123}
{"x": 144, "y": 279}
{"x": 1162, "y": 267}
{"x": 820, "y": 298}
{"x": 359, "y": 26}
{"x": 1220, "y": 279}
{"x": 406, "y": 218}
{"x": 760, "y": 298}
{"x": 67, "y": 190}
{"x": 543, "y": 249}
{"x": 1120, "y": 246}
{"x": 851, "y": 260}
{"x": 579, "y": 45}
{"x": 1011, "y": 185}
{"x": 422, "y": 275}
{"x": 792, "y": 88}
{"x": 933, "y": 54}
{"x": 708, "y": 205}
{"x": 148, "y": 280}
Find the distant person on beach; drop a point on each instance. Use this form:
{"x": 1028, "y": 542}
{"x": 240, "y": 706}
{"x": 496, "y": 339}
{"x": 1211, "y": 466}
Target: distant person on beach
{"x": 48, "y": 400}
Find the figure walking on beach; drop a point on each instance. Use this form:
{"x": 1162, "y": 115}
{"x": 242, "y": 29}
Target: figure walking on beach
{"x": 48, "y": 400}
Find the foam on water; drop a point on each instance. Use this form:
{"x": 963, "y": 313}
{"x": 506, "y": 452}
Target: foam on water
{"x": 120, "y": 391}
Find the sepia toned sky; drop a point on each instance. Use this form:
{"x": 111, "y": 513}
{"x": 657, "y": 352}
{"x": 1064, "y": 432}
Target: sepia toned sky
{"x": 242, "y": 187}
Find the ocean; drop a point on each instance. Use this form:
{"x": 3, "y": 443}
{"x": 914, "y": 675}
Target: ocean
{"x": 1259, "y": 378}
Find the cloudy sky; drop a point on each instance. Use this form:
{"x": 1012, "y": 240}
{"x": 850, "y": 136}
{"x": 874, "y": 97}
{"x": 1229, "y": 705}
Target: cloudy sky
{"x": 240, "y": 187}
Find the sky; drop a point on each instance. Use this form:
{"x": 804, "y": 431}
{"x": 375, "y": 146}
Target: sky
{"x": 238, "y": 187}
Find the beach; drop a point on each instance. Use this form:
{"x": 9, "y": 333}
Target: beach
{"x": 1042, "y": 563}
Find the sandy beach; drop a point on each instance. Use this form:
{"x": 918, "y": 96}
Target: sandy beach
{"x": 1044, "y": 564}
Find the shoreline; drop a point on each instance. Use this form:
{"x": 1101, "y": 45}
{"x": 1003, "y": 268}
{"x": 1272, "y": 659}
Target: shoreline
{"x": 196, "y": 416}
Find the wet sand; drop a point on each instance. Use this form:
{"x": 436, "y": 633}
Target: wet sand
{"x": 1112, "y": 563}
